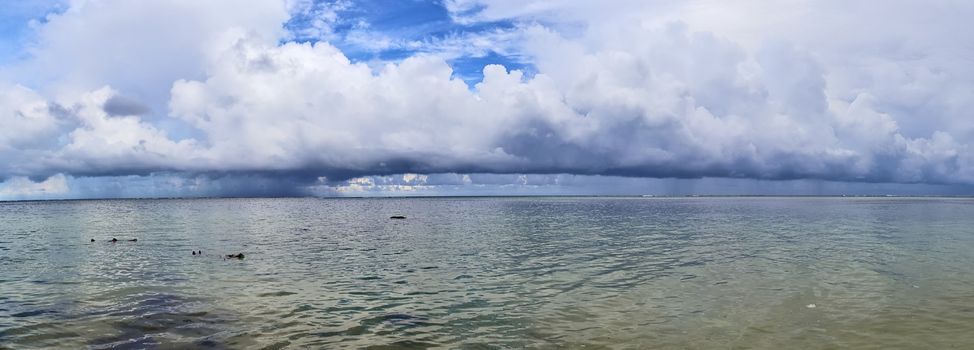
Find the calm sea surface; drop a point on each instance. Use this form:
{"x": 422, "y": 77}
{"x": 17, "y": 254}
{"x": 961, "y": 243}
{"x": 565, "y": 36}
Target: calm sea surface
{"x": 480, "y": 273}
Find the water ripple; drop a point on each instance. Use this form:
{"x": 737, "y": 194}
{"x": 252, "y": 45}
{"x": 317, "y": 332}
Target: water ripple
{"x": 488, "y": 273}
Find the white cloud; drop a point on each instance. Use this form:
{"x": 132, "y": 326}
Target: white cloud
{"x": 26, "y": 118}
{"x": 338, "y": 114}
{"x": 675, "y": 104}
{"x": 637, "y": 95}
{"x": 140, "y": 47}
{"x": 104, "y": 144}
{"x": 912, "y": 56}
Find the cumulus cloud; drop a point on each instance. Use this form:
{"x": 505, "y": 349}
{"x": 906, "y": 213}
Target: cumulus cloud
{"x": 140, "y": 47}
{"x": 26, "y": 118}
{"x": 665, "y": 89}
{"x": 677, "y": 103}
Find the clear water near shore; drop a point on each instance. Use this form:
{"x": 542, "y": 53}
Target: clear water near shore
{"x": 667, "y": 273}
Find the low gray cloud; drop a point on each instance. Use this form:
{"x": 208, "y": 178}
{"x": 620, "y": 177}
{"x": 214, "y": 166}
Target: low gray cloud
{"x": 117, "y": 106}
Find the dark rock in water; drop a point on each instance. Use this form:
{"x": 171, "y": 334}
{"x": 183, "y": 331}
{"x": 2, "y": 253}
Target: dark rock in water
{"x": 398, "y": 217}
{"x": 235, "y": 256}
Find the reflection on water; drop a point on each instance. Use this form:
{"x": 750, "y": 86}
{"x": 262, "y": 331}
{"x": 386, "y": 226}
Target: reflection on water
{"x": 489, "y": 273}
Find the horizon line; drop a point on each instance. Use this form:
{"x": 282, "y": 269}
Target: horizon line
{"x": 968, "y": 196}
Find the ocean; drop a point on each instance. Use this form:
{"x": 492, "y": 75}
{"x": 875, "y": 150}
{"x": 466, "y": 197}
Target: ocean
{"x": 486, "y": 273}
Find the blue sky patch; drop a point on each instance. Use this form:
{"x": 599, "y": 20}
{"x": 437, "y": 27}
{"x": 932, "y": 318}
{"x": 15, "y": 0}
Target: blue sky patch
{"x": 15, "y": 20}
{"x": 368, "y": 30}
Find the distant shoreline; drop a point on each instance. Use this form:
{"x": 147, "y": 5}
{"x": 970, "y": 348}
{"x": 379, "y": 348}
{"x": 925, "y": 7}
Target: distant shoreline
{"x": 702, "y": 196}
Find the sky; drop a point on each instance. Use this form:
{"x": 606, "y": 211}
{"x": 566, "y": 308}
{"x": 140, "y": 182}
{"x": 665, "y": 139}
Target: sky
{"x": 179, "y": 98}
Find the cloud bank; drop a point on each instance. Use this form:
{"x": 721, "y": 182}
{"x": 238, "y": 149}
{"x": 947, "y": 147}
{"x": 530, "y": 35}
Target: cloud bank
{"x": 830, "y": 91}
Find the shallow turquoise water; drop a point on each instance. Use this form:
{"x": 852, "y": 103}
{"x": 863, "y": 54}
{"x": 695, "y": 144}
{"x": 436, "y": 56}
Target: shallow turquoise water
{"x": 641, "y": 273}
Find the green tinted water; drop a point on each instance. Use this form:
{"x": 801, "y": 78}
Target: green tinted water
{"x": 641, "y": 273}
